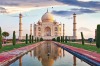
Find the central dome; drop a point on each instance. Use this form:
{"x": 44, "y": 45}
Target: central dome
{"x": 47, "y": 17}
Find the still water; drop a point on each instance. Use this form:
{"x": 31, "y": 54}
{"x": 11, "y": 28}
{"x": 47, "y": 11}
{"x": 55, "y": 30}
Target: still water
{"x": 48, "y": 54}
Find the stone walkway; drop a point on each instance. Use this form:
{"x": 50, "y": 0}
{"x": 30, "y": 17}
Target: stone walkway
{"x": 93, "y": 55}
{"x": 7, "y": 57}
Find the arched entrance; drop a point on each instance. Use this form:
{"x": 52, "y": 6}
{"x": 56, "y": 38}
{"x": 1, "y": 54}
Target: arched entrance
{"x": 47, "y": 31}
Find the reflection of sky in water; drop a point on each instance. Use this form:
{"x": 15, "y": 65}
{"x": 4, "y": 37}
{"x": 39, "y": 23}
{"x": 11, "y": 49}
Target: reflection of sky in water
{"x": 48, "y": 55}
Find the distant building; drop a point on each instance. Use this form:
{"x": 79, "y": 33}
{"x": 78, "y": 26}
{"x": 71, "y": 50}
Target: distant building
{"x": 47, "y": 28}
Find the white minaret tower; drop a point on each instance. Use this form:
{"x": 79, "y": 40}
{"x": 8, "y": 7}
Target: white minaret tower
{"x": 20, "y": 26}
{"x": 30, "y": 29}
{"x": 74, "y": 26}
{"x": 63, "y": 29}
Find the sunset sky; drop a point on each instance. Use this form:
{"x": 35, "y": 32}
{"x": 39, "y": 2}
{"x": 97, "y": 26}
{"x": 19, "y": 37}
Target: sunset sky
{"x": 88, "y": 14}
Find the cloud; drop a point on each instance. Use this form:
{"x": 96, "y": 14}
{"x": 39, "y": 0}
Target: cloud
{"x": 70, "y": 12}
{"x": 89, "y": 4}
{"x": 81, "y": 29}
{"x": 31, "y": 3}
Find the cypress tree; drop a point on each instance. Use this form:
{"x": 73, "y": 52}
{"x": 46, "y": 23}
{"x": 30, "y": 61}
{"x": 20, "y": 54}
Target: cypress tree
{"x": 0, "y": 38}
{"x": 65, "y": 39}
{"x": 14, "y": 38}
{"x": 61, "y": 38}
{"x": 26, "y": 38}
{"x": 53, "y": 39}
{"x": 37, "y": 39}
{"x": 82, "y": 38}
{"x": 98, "y": 36}
{"x": 58, "y": 39}
{"x": 30, "y": 39}
{"x": 41, "y": 39}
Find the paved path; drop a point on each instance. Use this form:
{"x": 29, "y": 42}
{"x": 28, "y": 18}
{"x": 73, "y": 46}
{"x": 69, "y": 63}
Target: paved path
{"x": 7, "y": 57}
{"x": 93, "y": 55}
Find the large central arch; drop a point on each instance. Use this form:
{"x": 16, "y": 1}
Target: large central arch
{"x": 47, "y": 31}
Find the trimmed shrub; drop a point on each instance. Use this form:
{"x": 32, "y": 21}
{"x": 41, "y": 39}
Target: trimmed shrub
{"x": 82, "y": 37}
{"x": 0, "y": 38}
{"x": 14, "y": 38}
{"x": 98, "y": 36}
{"x": 26, "y": 39}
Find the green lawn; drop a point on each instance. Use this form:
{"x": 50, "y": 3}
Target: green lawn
{"x": 11, "y": 47}
{"x": 87, "y": 47}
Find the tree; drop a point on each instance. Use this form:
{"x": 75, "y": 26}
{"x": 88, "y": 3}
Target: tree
{"x": 0, "y": 38}
{"x": 5, "y": 34}
{"x": 26, "y": 39}
{"x": 65, "y": 39}
{"x": 58, "y": 39}
{"x": 53, "y": 39}
{"x": 82, "y": 38}
{"x": 37, "y": 39}
{"x": 98, "y": 36}
{"x": 14, "y": 38}
{"x": 41, "y": 39}
{"x": 30, "y": 39}
{"x": 61, "y": 39}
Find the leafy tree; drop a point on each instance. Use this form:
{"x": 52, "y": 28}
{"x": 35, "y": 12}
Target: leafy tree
{"x": 0, "y": 38}
{"x": 5, "y": 34}
{"x": 26, "y": 38}
{"x": 14, "y": 38}
{"x": 65, "y": 39}
{"x": 82, "y": 38}
{"x": 98, "y": 36}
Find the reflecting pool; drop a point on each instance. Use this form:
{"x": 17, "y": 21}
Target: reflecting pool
{"x": 48, "y": 54}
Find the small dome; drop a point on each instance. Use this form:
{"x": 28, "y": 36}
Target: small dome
{"x": 47, "y": 17}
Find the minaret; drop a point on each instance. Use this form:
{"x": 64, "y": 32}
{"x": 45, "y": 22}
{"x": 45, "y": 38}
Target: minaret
{"x": 74, "y": 26}
{"x": 20, "y": 26}
{"x": 30, "y": 29}
{"x": 63, "y": 30}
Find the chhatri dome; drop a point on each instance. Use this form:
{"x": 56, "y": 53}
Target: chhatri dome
{"x": 47, "y": 17}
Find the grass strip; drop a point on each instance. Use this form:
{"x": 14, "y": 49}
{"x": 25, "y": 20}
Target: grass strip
{"x": 86, "y": 47}
{"x": 11, "y": 47}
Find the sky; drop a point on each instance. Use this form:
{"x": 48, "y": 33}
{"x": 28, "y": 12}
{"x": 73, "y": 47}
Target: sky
{"x": 87, "y": 18}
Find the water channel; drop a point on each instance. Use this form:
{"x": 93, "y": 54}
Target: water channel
{"x": 48, "y": 54}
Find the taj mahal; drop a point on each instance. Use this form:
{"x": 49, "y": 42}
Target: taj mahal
{"x": 47, "y": 28}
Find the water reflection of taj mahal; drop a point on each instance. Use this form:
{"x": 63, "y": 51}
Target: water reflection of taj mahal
{"x": 49, "y": 54}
